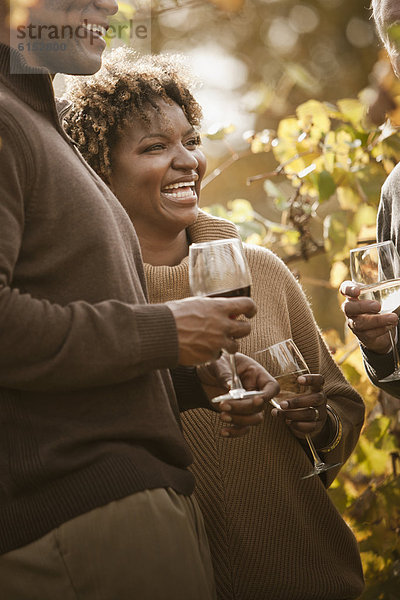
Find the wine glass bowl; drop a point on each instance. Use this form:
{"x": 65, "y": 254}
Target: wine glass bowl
{"x": 219, "y": 269}
{"x": 374, "y": 263}
{"x": 376, "y": 270}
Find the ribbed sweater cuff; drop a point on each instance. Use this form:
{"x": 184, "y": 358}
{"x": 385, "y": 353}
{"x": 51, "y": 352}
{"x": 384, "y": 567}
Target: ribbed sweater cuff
{"x": 158, "y": 336}
{"x": 378, "y": 365}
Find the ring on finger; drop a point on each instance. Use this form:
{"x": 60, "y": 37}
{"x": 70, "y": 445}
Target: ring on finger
{"x": 316, "y": 414}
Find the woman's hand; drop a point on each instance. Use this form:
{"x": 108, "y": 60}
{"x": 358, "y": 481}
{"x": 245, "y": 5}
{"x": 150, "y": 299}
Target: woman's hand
{"x": 306, "y": 413}
{"x": 240, "y": 415}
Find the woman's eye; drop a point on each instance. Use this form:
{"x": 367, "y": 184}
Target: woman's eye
{"x": 154, "y": 147}
{"x": 195, "y": 141}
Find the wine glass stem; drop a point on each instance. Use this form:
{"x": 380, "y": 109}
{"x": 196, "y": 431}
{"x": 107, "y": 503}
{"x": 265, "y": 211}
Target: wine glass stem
{"x": 236, "y": 383}
{"x": 396, "y": 357}
{"x": 317, "y": 461}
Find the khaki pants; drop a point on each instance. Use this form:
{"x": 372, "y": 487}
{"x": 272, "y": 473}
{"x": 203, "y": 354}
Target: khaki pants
{"x": 148, "y": 546}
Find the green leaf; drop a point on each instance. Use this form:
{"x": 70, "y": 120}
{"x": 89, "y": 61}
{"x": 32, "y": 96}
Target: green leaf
{"x": 393, "y": 32}
{"x": 378, "y": 430}
{"x": 351, "y": 374}
{"x": 326, "y": 186}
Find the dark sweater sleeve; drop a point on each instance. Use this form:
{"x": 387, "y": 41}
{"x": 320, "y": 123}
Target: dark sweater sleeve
{"x": 47, "y": 346}
{"x": 188, "y": 389}
{"x": 379, "y": 366}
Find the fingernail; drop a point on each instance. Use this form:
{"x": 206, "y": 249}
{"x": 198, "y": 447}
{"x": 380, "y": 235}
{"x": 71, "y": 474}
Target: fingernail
{"x": 392, "y": 320}
{"x": 301, "y": 379}
{"x": 284, "y": 404}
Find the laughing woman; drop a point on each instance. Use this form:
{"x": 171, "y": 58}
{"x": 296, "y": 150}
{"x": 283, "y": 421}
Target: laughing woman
{"x": 271, "y": 534}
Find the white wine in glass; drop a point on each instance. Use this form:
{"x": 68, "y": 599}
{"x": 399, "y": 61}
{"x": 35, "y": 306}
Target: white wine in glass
{"x": 376, "y": 270}
{"x": 285, "y": 362}
{"x": 218, "y": 268}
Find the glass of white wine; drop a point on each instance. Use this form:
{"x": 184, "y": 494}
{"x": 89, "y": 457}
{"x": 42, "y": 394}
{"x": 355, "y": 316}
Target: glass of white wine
{"x": 285, "y": 362}
{"x": 376, "y": 270}
{"x": 219, "y": 268}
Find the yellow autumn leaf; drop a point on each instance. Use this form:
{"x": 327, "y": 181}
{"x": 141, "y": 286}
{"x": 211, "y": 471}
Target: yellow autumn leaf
{"x": 339, "y": 272}
{"x": 255, "y": 239}
{"x": 289, "y": 129}
{"x": 364, "y": 217}
{"x": 241, "y": 210}
{"x": 313, "y": 117}
{"x": 342, "y": 144}
{"x": 218, "y": 131}
{"x": 347, "y": 198}
{"x": 352, "y": 110}
{"x": 262, "y": 140}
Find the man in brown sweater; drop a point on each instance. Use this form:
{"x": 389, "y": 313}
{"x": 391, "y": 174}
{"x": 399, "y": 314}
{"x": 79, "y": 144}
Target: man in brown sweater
{"x": 95, "y": 495}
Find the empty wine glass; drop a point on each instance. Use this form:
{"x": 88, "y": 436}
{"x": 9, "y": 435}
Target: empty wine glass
{"x": 285, "y": 362}
{"x": 218, "y": 268}
{"x": 376, "y": 270}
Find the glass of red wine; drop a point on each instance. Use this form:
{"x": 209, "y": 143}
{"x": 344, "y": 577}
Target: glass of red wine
{"x": 219, "y": 268}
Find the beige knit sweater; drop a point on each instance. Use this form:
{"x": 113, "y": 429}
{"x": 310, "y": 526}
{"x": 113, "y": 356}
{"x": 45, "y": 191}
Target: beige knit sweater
{"x": 272, "y": 535}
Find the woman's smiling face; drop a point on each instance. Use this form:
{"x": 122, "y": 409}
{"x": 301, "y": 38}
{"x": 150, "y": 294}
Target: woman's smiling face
{"x": 157, "y": 168}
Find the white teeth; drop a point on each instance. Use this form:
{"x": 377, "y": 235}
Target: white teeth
{"x": 180, "y": 194}
{"x": 95, "y": 28}
{"x": 175, "y": 186}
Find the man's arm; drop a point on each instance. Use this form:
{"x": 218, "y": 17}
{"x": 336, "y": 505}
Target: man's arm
{"x": 47, "y": 346}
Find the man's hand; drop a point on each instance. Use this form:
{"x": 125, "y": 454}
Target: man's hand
{"x": 206, "y": 325}
{"x": 364, "y": 320}
{"x": 240, "y": 415}
{"x": 306, "y": 413}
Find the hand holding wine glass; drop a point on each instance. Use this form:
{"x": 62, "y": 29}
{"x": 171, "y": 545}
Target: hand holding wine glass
{"x": 218, "y": 268}
{"x": 301, "y": 400}
{"x": 375, "y": 269}
{"x": 239, "y": 415}
{"x": 365, "y": 319}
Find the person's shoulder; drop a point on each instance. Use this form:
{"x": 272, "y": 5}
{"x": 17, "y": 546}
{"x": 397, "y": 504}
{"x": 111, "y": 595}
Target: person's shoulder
{"x": 14, "y": 112}
{"x": 263, "y": 255}
{"x": 208, "y": 227}
{"x": 261, "y": 259}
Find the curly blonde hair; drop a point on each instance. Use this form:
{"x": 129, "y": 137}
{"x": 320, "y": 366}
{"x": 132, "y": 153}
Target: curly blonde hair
{"x": 122, "y": 91}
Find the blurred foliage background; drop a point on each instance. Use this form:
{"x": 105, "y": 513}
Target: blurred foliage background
{"x": 300, "y": 130}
